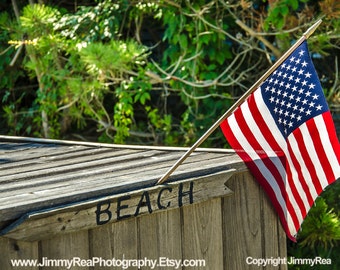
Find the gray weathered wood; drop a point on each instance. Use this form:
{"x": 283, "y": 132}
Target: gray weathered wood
{"x": 202, "y": 233}
{"x": 65, "y": 247}
{"x": 41, "y": 175}
{"x": 84, "y": 215}
{"x": 250, "y": 230}
{"x": 11, "y": 249}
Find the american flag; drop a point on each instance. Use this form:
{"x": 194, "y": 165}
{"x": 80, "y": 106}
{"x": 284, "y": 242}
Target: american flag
{"x": 285, "y": 134}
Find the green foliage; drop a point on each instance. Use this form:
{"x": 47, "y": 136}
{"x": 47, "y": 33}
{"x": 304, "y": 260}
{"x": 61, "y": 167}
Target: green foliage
{"x": 322, "y": 228}
{"x": 279, "y": 11}
{"x": 91, "y": 66}
{"x": 320, "y": 232}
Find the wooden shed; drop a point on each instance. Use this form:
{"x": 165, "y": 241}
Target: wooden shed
{"x": 97, "y": 206}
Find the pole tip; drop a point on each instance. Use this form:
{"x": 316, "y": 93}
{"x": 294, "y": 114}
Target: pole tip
{"x": 311, "y": 29}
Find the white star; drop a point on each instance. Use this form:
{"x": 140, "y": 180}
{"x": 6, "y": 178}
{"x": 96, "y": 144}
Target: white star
{"x": 304, "y": 63}
{"x": 297, "y": 80}
{"x": 311, "y": 86}
{"x": 308, "y": 112}
{"x": 315, "y": 96}
{"x": 308, "y": 75}
{"x": 304, "y": 83}
{"x": 318, "y": 108}
{"x": 301, "y": 52}
{"x": 311, "y": 104}
{"x": 300, "y": 71}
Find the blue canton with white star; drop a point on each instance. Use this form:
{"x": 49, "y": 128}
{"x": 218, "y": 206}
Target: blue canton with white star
{"x": 293, "y": 92}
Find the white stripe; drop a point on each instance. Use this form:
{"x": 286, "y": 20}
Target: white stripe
{"x": 312, "y": 152}
{"x": 296, "y": 153}
{"x": 276, "y": 133}
{"x": 242, "y": 140}
{"x": 333, "y": 160}
{"x": 267, "y": 116}
{"x": 283, "y": 144}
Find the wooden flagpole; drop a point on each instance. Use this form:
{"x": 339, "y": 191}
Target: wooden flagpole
{"x": 305, "y": 36}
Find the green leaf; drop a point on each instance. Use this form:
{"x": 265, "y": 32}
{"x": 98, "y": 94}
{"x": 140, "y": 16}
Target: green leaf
{"x": 183, "y": 41}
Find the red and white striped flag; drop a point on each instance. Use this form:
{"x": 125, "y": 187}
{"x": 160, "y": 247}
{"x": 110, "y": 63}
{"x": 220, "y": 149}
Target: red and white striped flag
{"x": 285, "y": 134}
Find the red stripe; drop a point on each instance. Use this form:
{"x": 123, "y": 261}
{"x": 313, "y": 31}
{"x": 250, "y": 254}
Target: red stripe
{"x": 266, "y": 131}
{"x": 308, "y": 162}
{"x": 318, "y": 144}
{"x": 332, "y": 134}
{"x": 301, "y": 179}
{"x": 228, "y": 132}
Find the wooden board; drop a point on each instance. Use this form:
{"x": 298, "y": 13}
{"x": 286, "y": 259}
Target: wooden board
{"x": 92, "y": 213}
{"x": 35, "y": 176}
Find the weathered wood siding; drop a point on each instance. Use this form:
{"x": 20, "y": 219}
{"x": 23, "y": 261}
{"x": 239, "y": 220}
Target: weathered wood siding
{"x": 223, "y": 228}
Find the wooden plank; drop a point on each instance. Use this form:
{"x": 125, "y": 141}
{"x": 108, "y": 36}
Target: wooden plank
{"x": 114, "y": 241}
{"x": 202, "y": 230}
{"x": 272, "y": 230}
{"x": 50, "y": 168}
{"x": 63, "y": 249}
{"x": 160, "y": 239}
{"x": 242, "y": 221}
{"x": 39, "y": 158}
{"x": 11, "y": 249}
{"x": 92, "y": 213}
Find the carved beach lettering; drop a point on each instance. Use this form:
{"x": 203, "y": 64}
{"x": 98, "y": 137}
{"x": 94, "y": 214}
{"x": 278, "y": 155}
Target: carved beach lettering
{"x": 148, "y": 201}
